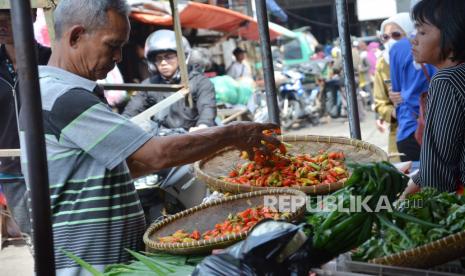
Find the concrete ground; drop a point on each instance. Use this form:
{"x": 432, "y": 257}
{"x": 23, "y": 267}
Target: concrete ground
{"x": 340, "y": 127}
{"x": 16, "y": 259}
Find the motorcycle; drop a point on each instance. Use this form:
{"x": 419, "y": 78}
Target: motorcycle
{"x": 296, "y": 102}
{"x": 334, "y": 100}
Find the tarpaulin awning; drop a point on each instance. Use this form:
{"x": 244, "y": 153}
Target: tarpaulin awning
{"x": 203, "y": 16}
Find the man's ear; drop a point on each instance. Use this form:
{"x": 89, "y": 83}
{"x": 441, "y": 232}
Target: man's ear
{"x": 76, "y": 33}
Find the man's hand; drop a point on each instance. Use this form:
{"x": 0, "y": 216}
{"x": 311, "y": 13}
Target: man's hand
{"x": 197, "y": 127}
{"x": 169, "y": 151}
{"x": 395, "y": 98}
{"x": 381, "y": 125}
{"x": 251, "y": 136}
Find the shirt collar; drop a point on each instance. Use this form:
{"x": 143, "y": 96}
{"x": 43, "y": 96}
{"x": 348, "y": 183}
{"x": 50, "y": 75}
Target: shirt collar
{"x": 66, "y": 76}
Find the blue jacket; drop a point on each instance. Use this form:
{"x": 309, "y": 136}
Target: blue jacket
{"x": 411, "y": 82}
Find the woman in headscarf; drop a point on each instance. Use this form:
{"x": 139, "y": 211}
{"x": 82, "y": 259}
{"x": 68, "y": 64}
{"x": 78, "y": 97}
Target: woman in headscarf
{"x": 392, "y": 30}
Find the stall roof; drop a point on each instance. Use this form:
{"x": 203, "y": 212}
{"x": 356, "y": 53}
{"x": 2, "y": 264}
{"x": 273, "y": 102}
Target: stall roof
{"x": 203, "y": 16}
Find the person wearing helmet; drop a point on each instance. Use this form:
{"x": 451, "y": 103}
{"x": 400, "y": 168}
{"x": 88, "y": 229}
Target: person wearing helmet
{"x": 160, "y": 52}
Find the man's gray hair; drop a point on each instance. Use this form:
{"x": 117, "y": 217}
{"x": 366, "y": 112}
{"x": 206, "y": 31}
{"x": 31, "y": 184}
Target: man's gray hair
{"x": 92, "y": 14}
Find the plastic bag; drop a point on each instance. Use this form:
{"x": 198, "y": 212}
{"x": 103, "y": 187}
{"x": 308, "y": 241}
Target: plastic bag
{"x": 272, "y": 248}
{"x": 226, "y": 89}
{"x": 245, "y": 90}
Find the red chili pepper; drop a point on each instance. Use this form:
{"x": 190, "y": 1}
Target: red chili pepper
{"x": 333, "y": 155}
{"x": 259, "y": 158}
{"x": 243, "y": 180}
{"x": 195, "y": 235}
{"x": 245, "y": 213}
{"x": 331, "y": 178}
{"x": 288, "y": 182}
{"x": 288, "y": 170}
{"x": 233, "y": 173}
{"x": 333, "y": 173}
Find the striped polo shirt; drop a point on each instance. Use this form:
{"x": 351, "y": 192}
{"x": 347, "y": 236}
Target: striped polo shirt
{"x": 96, "y": 212}
{"x": 442, "y": 158}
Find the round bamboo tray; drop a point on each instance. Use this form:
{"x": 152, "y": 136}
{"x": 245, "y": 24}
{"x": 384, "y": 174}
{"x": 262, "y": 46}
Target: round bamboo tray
{"x": 432, "y": 254}
{"x": 204, "y": 217}
{"x": 212, "y": 168}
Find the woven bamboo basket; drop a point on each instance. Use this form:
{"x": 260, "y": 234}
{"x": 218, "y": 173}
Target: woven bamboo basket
{"x": 432, "y": 254}
{"x": 212, "y": 168}
{"x": 204, "y": 217}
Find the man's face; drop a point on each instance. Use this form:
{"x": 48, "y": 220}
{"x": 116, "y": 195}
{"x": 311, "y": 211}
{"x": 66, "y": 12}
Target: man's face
{"x": 96, "y": 52}
{"x": 167, "y": 63}
{"x": 362, "y": 46}
{"x": 6, "y": 34}
{"x": 240, "y": 57}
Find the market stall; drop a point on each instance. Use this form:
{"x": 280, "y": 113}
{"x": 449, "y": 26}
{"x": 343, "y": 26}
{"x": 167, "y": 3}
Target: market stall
{"x": 215, "y": 18}
{"x": 359, "y": 219}
{"x": 231, "y": 23}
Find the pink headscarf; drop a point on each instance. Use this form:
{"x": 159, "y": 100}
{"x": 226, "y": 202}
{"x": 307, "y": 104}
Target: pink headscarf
{"x": 371, "y": 56}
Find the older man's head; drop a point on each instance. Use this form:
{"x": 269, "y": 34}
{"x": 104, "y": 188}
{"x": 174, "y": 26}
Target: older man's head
{"x": 90, "y": 35}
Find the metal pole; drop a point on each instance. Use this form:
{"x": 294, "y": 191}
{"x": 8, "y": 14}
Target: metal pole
{"x": 349, "y": 79}
{"x": 142, "y": 87}
{"x": 267, "y": 61}
{"x": 31, "y": 109}
{"x": 249, "y": 8}
{"x": 180, "y": 50}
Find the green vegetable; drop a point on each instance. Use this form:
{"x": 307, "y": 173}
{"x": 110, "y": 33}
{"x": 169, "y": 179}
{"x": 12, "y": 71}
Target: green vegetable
{"x": 422, "y": 218}
{"x": 82, "y": 263}
{"x": 410, "y": 218}
{"x": 392, "y": 226}
{"x": 456, "y": 220}
{"x": 243, "y": 168}
{"x": 147, "y": 264}
{"x": 153, "y": 265}
{"x": 337, "y": 232}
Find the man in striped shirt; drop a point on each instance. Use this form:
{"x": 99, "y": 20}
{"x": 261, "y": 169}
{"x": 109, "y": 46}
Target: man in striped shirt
{"x": 93, "y": 153}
